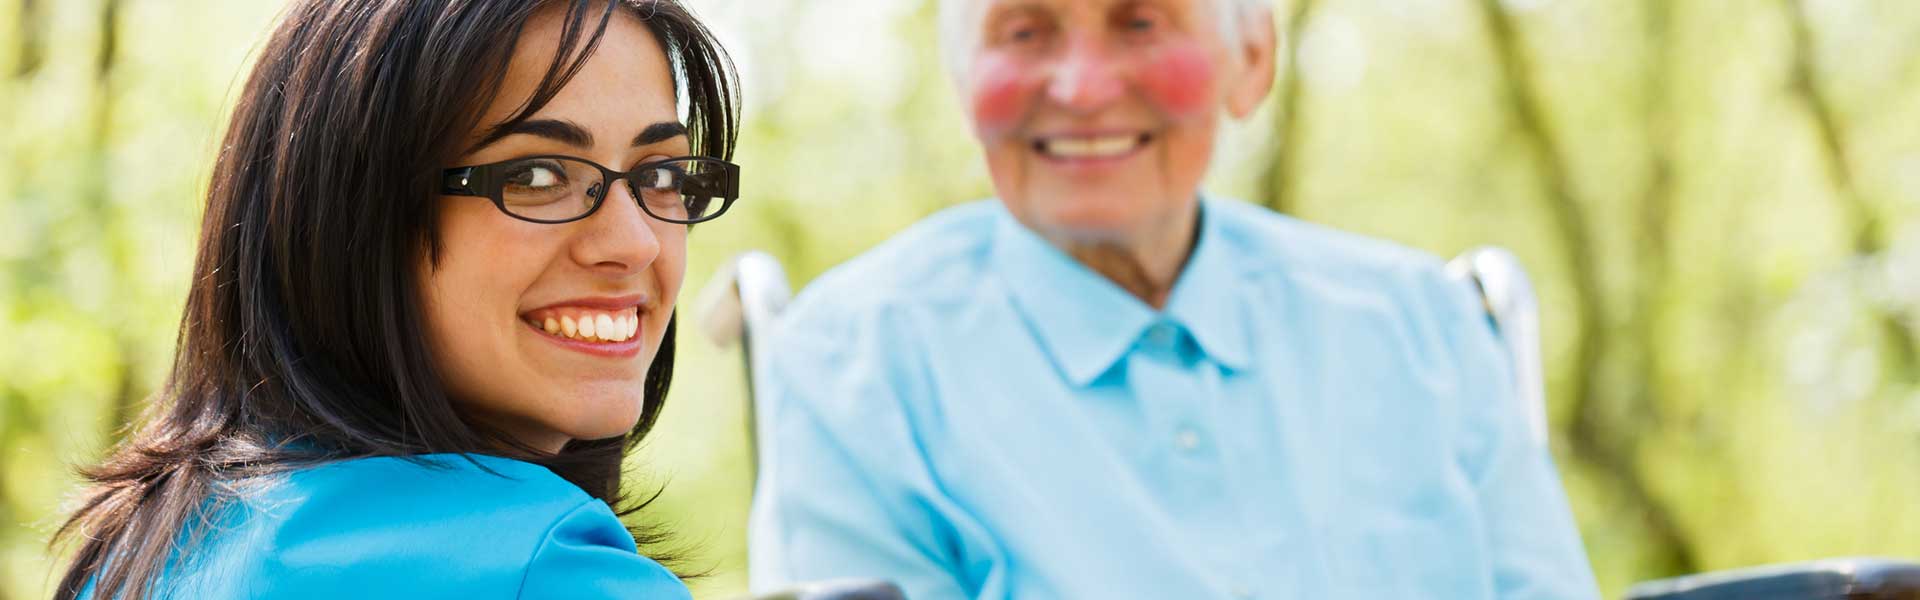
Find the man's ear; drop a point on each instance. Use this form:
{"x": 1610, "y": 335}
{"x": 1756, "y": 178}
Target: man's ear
{"x": 1254, "y": 79}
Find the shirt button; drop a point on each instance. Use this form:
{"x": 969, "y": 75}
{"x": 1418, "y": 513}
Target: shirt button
{"x": 1187, "y": 439}
{"x": 1160, "y": 335}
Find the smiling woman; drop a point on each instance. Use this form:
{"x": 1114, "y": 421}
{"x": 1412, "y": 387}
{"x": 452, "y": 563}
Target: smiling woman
{"x": 432, "y": 309}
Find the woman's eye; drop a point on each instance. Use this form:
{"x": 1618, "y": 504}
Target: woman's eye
{"x": 541, "y": 174}
{"x": 661, "y": 178}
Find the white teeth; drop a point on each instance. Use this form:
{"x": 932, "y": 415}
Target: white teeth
{"x": 1113, "y": 145}
{"x": 1096, "y": 147}
{"x": 1070, "y": 147}
{"x": 596, "y": 327}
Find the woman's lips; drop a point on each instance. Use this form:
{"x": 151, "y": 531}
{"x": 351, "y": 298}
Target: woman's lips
{"x": 627, "y": 348}
{"x": 598, "y": 326}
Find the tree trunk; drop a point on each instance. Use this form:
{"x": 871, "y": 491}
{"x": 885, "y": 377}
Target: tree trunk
{"x": 1279, "y": 179}
{"x": 99, "y": 195}
{"x": 1869, "y": 229}
{"x": 28, "y": 32}
{"x": 1594, "y": 439}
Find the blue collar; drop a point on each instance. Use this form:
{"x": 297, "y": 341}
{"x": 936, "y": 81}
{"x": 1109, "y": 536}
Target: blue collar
{"x": 1086, "y": 323}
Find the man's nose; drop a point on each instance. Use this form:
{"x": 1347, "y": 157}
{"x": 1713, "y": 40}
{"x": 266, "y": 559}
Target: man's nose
{"x": 1088, "y": 77}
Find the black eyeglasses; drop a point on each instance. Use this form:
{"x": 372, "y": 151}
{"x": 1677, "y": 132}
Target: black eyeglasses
{"x": 561, "y": 189}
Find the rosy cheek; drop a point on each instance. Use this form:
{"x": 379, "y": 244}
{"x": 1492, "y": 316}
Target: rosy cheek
{"x": 1003, "y": 88}
{"x": 1179, "y": 80}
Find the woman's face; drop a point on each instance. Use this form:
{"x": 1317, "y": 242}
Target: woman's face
{"x": 499, "y": 280}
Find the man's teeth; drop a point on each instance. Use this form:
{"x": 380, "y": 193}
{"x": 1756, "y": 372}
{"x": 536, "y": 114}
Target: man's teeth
{"x": 1093, "y": 147}
{"x": 593, "y": 326}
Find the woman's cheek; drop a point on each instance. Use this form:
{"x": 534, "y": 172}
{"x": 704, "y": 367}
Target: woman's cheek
{"x": 1003, "y": 87}
{"x": 1179, "y": 80}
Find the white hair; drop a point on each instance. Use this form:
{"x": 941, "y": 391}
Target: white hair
{"x": 958, "y": 18}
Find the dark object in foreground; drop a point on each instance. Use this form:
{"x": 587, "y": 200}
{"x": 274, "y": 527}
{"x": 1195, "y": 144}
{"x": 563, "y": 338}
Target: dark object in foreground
{"x": 839, "y": 589}
{"x": 1837, "y": 579}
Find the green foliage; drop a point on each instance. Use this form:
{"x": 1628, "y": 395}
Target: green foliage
{"x": 1717, "y": 199}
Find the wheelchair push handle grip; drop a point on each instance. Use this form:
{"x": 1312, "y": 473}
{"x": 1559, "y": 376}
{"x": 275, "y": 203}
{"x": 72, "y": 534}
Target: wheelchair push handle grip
{"x": 839, "y": 589}
{"x": 1838, "y": 579}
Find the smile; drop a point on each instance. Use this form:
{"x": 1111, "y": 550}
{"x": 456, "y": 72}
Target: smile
{"x": 585, "y": 324}
{"x": 1091, "y": 147}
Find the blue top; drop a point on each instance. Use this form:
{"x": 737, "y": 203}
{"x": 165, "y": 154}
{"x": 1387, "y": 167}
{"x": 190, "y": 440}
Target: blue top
{"x": 391, "y": 528}
{"x": 970, "y": 412}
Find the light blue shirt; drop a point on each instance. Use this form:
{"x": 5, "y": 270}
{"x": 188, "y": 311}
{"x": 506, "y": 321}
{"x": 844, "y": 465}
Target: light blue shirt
{"x": 443, "y": 527}
{"x": 973, "y": 414}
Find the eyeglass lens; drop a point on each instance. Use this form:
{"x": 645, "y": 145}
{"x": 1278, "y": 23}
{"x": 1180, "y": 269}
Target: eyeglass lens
{"x": 557, "y": 189}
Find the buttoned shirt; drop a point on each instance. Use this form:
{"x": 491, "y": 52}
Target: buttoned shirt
{"x": 969, "y": 412}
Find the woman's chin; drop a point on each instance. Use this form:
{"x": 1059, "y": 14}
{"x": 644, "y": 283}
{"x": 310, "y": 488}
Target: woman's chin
{"x": 603, "y": 415}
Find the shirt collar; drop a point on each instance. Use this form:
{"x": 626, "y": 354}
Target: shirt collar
{"x": 1207, "y": 297}
{"x": 1086, "y": 323}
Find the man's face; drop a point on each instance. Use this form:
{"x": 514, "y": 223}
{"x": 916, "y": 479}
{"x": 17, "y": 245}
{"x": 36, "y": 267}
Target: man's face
{"x": 1098, "y": 116}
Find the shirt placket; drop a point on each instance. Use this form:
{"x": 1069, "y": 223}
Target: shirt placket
{"x": 1180, "y": 395}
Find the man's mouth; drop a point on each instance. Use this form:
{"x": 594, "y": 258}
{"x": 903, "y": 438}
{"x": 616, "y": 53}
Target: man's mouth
{"x": 586, "y": 324}
{"x": 1079, "y": 147}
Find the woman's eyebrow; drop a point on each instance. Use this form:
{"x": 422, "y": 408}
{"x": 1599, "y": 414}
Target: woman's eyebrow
{"x": 567, "y": 132}
{"x": 573, "y": 134}
{"x": 659, "y": 132}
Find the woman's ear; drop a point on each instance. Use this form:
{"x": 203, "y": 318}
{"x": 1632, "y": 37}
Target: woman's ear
{"x": 1253, "y": 79}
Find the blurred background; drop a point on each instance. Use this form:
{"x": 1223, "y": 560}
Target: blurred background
{"x": 1719, "y": 199}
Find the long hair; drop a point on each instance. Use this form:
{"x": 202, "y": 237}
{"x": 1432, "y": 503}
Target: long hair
{"x": 302, "y": 341}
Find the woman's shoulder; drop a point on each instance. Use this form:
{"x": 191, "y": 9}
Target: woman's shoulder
{"x": 427, "y": 484}
{"x": 423, "y": 526}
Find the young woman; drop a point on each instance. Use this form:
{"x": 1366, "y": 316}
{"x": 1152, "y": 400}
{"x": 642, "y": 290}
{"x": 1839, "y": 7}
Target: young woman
{"x": 431, "y": 310}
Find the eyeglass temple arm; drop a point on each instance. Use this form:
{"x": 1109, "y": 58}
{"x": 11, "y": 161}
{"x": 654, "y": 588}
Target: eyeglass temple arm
{"x": 460, "y": 181}
{"x": 723, "y": 182}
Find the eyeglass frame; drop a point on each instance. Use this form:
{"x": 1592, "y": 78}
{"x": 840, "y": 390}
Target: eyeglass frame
{"x": 486, "y": 181}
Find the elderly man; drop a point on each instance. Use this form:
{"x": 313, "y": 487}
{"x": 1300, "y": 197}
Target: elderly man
{"x": 1104, "y": 385}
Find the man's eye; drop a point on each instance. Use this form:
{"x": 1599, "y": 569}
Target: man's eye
{"x": 1142, "y": 20}
{"x": 1022, "y": 30}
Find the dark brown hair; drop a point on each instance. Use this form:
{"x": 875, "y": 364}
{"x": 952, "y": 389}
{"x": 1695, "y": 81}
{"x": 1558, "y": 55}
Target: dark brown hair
{"x": 302, "y": 340}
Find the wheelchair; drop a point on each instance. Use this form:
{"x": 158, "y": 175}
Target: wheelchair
{"x": 751, "y": 291}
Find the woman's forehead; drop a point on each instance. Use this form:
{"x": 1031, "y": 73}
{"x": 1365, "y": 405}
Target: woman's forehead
{"x": 626, "y": 78}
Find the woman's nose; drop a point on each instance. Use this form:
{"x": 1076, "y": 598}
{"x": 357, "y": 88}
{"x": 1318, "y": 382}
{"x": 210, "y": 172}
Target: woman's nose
{"x": 619, "y": 235}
